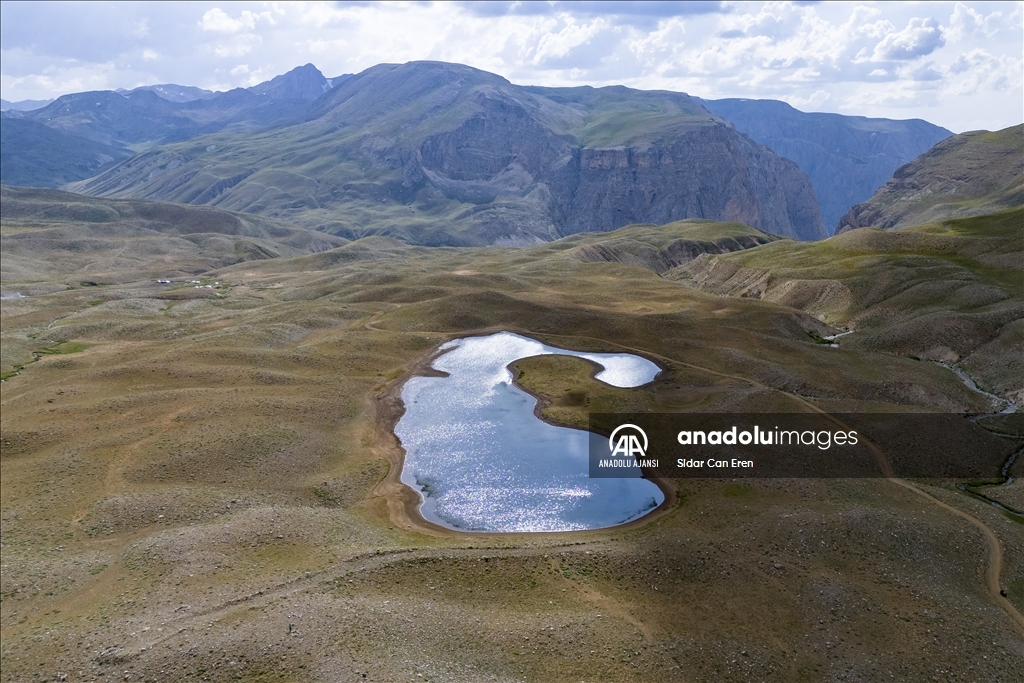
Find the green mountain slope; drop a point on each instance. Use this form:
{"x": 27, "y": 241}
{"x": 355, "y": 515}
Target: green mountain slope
{"x": 966, "y": 175}
{"x": 36, "y": 155}
{"x": 950, "y": 291}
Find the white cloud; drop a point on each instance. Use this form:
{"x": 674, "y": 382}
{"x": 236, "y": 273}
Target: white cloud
{"x": 558, "y": 45}
{"x": 966, "y": 22}
{"x": 320, "y": 47}
{"x": 979, "y": 70}
{"x": 925, "y": 73}
{"x": 320, "y": 14}
{"x": 66, "y": 79}
{"x": 238, "y": 46}
{"x": 921, "y": 37}
{"x": 957, "y": 65}
{"x": 812, "y": 102}
{"x": 218, "y": 20}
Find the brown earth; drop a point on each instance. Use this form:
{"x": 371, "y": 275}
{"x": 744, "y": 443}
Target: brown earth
{"x": 207, "y": 488}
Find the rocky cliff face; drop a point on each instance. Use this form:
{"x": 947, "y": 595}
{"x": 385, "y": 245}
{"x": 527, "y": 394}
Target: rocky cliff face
{"x": 846, "y": 157}
{"x": 966, "y": 175}
{"x": 444, "y": 154}
{"x": 708, "y": 172}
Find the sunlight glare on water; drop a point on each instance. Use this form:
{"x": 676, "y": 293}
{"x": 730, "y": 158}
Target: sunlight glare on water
{"x": 483, "y": 461}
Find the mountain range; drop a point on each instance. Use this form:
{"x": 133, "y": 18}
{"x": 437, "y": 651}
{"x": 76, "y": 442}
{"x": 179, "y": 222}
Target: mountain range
{"x": 140, "y": 118}
{"x": 445, "y": 154}
{"x": 436, "y": 153}
{"x": 23, "y": 105}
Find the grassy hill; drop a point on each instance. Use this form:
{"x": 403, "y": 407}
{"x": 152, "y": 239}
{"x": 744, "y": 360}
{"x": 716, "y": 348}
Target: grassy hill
{"x": 949, "y": 291}
{"x": 33, "y": 154}
{"x": 50, "y": 236}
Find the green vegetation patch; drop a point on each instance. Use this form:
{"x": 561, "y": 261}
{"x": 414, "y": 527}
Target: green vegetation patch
{"x": 736, "y": 491}
{"x": 65, "y": 348}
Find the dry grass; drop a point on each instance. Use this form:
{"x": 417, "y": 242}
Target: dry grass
{"x": 195, "y": 494}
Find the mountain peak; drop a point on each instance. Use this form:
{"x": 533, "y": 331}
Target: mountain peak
{"x": 301, "y": 83}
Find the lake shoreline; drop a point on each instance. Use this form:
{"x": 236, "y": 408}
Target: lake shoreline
{"x": 403, "y": 502}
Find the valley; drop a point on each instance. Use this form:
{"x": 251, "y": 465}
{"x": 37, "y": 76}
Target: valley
{"x": 230, "y": 321}
{"x": 206, "y": 481}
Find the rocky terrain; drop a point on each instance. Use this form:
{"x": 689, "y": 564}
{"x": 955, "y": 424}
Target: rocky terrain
{"x": 301, "y": 83}
{"x": 966, "y": 175}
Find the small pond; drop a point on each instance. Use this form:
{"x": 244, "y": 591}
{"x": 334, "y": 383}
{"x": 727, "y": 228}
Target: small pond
{"x": 481, "y": 459}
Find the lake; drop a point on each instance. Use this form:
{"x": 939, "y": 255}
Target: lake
{"x": 481, "y": 459}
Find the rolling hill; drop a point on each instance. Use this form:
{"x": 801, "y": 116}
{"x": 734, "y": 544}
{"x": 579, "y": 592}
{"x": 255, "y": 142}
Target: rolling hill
{"x": 49, "y": 235}
{"x": 950, "y": 291}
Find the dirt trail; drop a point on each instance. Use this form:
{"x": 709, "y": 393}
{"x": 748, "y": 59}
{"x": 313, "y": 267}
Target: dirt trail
{"x": 360, "y": 564}
{"x": 995, "y": 552}
{"x": 370, "y": 324}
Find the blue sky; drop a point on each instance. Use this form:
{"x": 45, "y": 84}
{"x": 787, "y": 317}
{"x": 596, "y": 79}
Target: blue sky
{"x": 959, "y": 64}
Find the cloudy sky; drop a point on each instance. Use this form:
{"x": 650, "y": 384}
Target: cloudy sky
{"x": 956, "y": 64}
